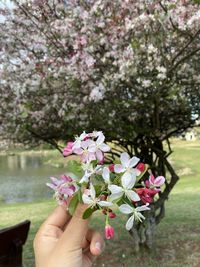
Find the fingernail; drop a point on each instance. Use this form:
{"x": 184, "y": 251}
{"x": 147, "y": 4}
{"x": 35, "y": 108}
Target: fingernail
{"x": 98, "y": 246}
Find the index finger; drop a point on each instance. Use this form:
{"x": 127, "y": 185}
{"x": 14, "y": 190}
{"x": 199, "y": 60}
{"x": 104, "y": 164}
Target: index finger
{"x": 76, "y": 229}
{"x": 59, "y": 218}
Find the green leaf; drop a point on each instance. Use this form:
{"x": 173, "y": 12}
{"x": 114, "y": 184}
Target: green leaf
{"x": 24, "y": 114}
{"x": 94, "y": 163}
{"x": 112, "y": 177}
{"x": 98, "y": 189}
{"x": 88, "y": 212}
{"x": 135, "y": 44}
{"x": 124, "y": 200}
{"x": 74, "y": 167}
{"x": 73, "y": 204}
{"x": 80, "y": 196}
{"x": 99, "y": 178}
{"x": 120, "y": 202}
{"x": 143, "y": 173}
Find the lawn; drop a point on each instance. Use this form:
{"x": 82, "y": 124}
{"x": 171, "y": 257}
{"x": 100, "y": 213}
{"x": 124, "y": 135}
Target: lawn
{"x": 178, "y": 235}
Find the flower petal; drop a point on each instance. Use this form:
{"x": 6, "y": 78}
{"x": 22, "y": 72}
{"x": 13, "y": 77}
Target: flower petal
{"x": 52, "y": 186}
{"x": 151, "y": 179}
{"x": 83, "y": 135}
{"x": 159, "y": 181}
{"x": 78, "y": 151}
{"x": 142, "y": 208}
{"x": 129, "y": 223}
{"x": 126, "y": 209}
{"x": 87, "y": 200}
{"x": 92, "y": 191}
{"x": 115, "y": 189}
{"x": 104, "y": 147}
{"x": 91, "y": 157}
{"x": 92, "y": 148}
{"x": 106, "y": 175}
{"x": 85, "y": 177}
{"x": 133, "y": 161}
{"x": 99, "y": 155}
{"x": 132, "y": 195}
{"x": 115, "y": 196}
{"x": 55, "y": 181}
{"x": 76, "y": 144}
{"x": 128, "y": 180}
{"x": 125, "y": 159}
{"x": 66, "y": 191}
{"x": 100, "y": 139}
{"x": 118, "y": 168}
{"x": 84, "y": 144}
{"x": 134, "y": 172}
{"x": 98, "y": 169}
{"x": 105, "y": 203}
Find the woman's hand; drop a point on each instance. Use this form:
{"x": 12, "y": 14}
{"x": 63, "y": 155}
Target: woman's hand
{"x": 65, "y": 241}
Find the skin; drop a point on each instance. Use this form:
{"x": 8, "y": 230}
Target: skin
{"x": 65, "y": 241}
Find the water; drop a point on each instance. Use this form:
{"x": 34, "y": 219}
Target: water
{"x": 23, "y": 178}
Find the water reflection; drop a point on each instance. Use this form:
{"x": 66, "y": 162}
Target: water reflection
{"x": 23, "y": 162}
{"x": 24, "y": 178}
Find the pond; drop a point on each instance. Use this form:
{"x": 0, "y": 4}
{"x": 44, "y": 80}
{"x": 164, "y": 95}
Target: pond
{"x": 23, "y": 178}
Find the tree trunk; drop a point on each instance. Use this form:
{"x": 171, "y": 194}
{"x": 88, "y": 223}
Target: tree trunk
{"x": 143, "y": 234}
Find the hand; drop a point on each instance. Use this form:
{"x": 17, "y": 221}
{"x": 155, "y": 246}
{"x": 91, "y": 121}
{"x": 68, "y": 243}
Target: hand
{"x": 65, "y": 241}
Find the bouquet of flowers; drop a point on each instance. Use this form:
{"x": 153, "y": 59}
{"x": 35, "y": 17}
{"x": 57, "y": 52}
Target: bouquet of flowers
{"x": 102, "y": 186}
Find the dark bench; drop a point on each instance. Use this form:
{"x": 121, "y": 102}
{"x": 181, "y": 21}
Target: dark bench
{"x": 12, "y": 240}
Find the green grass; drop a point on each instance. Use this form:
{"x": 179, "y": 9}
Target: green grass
{"x": 177, "y": 237}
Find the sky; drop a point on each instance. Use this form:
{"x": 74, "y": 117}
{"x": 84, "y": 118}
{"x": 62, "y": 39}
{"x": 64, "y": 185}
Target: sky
{"x": 4, "y": 3}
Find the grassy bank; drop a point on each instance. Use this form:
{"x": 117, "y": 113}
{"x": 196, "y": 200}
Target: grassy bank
{"x": 178, "y": 235}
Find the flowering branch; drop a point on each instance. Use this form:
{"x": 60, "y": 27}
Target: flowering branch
{"x": 102, "y": 186}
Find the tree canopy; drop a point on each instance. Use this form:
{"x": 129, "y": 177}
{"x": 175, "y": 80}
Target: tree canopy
{"x": 129, "y": 68}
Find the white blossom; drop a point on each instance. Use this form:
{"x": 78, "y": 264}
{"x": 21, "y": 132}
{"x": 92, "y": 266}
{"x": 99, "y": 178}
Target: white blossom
{"x": 91, "y": 199}
{"x": 136, "y": 213}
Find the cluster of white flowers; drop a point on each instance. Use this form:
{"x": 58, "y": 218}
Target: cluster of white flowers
{"x": 97, "y": 93}
{"x": 102, "y": 186}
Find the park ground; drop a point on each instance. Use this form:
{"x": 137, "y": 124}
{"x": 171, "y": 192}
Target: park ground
{"x": 178, "y": 235}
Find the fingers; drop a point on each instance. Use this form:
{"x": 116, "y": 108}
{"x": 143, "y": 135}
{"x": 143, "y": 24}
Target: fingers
{"x": 76, "y": 229}
{"x": 96, "y": 241}
{"x": 96, "y": 246}
{"x": 49, "y": 233}
{"x": 59, "y": 217}
{"x": 57, "y": 220}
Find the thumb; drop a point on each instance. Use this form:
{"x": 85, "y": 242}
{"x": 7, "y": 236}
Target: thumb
{"x": 76, "y": 229}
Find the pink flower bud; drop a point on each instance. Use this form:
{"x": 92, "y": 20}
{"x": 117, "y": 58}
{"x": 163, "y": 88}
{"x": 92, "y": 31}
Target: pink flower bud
{"x": 141, "y": 167}
{"x": 109, "y": 232}
{"x": 111, "y": 167}
{"x": 68, "y": 149}
{"x": 112, "y": 215}
{"x": 101, "y": 162}
{"x": 147, "y": 194}
{"x": 66, "y": 178}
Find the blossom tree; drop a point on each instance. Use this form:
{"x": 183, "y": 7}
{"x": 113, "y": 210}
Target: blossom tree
{"x": 129, "y": 68}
